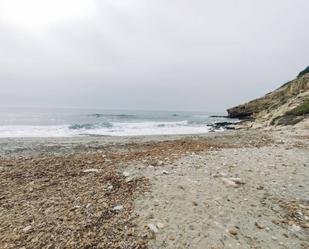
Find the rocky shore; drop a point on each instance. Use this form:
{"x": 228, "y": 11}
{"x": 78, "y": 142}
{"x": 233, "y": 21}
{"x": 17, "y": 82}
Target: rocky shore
{"x": 288, "y": 105}
{"x": 233, "y": 189}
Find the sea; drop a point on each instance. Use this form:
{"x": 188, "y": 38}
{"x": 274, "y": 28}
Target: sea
{"x": 68, "y": 122}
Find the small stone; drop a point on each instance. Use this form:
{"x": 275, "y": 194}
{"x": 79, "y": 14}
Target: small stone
{"x": 153, "y": 228}
{"x": 195, "y": 203}
{"x": 229, "y": 183}
{"x": 165, "y": 172}
{"x": 150, "y": 216}
{"x": 237, "y": 180}
{"x": 160, "y": 163}
{"x": 160, "y": 225}
{"x": 129, "y": 179}
{"x": 259, "y": 225}
{"x": 131, "y": 231}
{"x": 296, "y": 228}
{"x": 181, "y": 187}
{"x": 91, "y": 171}
{"x": 27, "y": 229}
{"x": 110, "y": 187}
{"x": 126, "y": 174}
{"x": 118, "y": 208}
{"x": 274, "y": 238}
{"x": 305, "y": 225}
{"x": 220, "y": 174}
{"x": 233, "y": 231}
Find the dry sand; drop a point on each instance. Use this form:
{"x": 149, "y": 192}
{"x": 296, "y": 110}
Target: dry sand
{"x": 236, "y": 189}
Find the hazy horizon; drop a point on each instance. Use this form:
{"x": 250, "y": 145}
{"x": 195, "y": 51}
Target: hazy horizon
{"x": 140, "y": 55}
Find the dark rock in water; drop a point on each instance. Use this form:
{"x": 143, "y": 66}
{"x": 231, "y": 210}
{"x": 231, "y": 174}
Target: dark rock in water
{"x": 216, "y": 116}
{"x": 240, "y": 113}
{"x": 224, "y": 125}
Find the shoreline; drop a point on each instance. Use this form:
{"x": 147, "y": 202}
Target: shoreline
{"x": 230, "y": 189}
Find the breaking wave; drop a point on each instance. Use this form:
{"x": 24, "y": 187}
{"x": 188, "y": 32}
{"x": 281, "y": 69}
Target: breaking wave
{"x": 90, "y": 126}
{"x": 105, "y": 129}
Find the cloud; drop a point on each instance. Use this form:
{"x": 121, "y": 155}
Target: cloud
{"x": 197, "y": 55}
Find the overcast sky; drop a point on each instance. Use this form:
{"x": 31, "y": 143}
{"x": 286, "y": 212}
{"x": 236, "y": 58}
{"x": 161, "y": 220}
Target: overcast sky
{"x": 149, "y": 54}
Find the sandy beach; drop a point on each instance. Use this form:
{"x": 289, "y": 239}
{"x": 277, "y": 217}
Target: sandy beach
{"x": 154, "y": 124}
{"x": 232, "y": 189}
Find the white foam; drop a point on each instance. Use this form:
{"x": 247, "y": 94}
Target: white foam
{"x": 35, "y": 131}
{"x": 118, "y": 129}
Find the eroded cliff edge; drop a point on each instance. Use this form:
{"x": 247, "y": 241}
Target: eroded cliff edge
{"x": 287, "y": 105}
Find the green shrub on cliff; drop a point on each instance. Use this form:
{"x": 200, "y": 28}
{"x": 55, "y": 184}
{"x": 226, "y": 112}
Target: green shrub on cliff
{"x": 300, "y": 110}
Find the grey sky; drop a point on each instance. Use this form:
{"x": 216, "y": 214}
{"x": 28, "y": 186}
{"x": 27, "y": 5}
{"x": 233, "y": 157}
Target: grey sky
{"x": 149, "y": 54}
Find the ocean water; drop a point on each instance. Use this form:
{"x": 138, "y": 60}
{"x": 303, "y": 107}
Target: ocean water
{"x": 25, "y": 122}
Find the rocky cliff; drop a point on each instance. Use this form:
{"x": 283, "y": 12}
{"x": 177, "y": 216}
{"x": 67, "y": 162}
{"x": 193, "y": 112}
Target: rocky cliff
{"x": 288, "y": 105}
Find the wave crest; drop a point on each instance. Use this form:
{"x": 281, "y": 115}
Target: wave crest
{"x": 91, "y": 126}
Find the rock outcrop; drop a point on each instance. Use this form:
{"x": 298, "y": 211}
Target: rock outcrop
{"x": 288, "y": 105}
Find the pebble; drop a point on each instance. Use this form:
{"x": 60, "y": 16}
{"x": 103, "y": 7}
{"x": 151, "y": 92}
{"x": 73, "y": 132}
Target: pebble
{"x": 165, "y": 172}
{"x": 259, "y": 225}
{"x": 233, "y": 231}
{"x": 181, "y": 187}
{"x": 129, "y": 179}
{"x": 295, "y": 228}
{"x": 27, "y": 229}
{"x": 91, "y": 171}
{"x": 229, "y": 183}
{"x": 236, "y": 180}
{"x": 220, "y": 174}
{"x": 126, "y": 174}
{"x": 195, "y": 203}
{"x": 172, "y": 238}
{"x": 160, "y": 225}
{"x": 118, "y": 208}
{"x": 153, "y": 228}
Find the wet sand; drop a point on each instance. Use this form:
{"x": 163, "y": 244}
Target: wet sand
{"x": 235, "y": 189}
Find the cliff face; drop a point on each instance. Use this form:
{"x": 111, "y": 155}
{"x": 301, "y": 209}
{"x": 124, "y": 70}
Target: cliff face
{"x": 287, "y": 105}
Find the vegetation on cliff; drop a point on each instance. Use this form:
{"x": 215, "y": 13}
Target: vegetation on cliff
{"x": 300, "y": 110}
